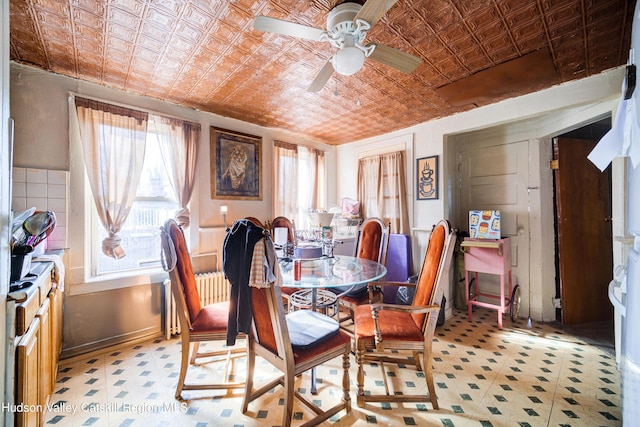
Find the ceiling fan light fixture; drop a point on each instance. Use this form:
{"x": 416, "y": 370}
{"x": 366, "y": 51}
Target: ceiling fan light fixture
{"x": 348, "y": 60}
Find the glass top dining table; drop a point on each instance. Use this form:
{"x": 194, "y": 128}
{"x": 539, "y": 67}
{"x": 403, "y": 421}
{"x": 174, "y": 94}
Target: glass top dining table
{"x": 328, "y": 272}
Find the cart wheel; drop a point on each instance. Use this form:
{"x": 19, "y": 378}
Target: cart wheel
{"x": 514, "y": 304}
{"x": 472, "y": 292}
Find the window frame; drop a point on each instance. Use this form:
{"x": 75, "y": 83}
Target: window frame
{"x": 79, "y": 278}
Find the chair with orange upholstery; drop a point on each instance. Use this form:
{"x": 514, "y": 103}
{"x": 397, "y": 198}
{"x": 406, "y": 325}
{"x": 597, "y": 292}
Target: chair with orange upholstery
{"x": 383, "y": 332}
{"x": 254, "y": 220}
{"x": 281, "y": 221}
{"x": 372, "y": 243}
{"x": 293, "y": 343}
{"x": 197, "y": 323}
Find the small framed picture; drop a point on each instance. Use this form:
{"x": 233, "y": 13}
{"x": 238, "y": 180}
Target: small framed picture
{"x": 427, "y": 178}
{"x": 236, "y": 165}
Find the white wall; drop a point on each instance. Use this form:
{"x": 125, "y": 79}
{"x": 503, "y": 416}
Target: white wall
{"x": 536, "y": 118}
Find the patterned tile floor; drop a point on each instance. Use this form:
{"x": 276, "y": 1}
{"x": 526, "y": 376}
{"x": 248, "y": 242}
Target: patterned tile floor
{"x": 518, "y": 376}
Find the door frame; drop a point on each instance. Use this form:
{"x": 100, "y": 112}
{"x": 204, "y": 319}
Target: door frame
{"x": 539, "y": 130}
{"x": 538, "y": 300}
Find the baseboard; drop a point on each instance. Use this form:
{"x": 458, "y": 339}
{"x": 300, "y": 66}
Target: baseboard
{"x": 110, "y": 344}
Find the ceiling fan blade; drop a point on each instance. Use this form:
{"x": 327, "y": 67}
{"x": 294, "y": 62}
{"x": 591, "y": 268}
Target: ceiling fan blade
{"x": 373, "y": 10}
{"x": 322, "y": 77}
{"x": 279, "y": 26}
{"x": 395, "y": 58}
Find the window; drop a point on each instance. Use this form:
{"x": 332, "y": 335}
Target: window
{"x": 140, "y": 168}
{"x": 299, "y": 182}
{"x": 153, "y": 205}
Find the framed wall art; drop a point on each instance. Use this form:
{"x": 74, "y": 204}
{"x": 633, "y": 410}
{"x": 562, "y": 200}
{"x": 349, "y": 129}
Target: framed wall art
{"x": 236, "y": 165}
{"x": 427, "y": 178}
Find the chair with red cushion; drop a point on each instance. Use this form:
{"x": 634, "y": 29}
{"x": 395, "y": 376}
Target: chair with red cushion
{"x": 372, "y": 243}
{"x": 293, "y": 343}
{"x": 197, "y": 323}
{"x": 254, "y": 220}
{"x": 281, "y": 221}
{"x": 385, "y": 333}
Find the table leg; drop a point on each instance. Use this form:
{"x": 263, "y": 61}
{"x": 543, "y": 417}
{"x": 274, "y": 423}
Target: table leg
{"x": 314, "y": 302}
{"x": 314, "y": 390}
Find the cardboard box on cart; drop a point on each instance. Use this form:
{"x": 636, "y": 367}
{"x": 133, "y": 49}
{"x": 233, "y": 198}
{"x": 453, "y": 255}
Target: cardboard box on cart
{"x": 484, "y": 224}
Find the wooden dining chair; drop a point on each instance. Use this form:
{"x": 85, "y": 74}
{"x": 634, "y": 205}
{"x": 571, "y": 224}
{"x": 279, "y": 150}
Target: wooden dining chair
{"x": 281, "y": 221}
{"x": 372, "y": 243}
{"x": 198, "y": 323}
{"x": 293, "y": 343}
{"x": 254, "y": 220}
{"x": 385, "y": 333}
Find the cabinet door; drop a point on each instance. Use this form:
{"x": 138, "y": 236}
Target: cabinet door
{"x": 27, "y": 375}
{"x": 44, "y": 346}
{"x": 55, "y": 298}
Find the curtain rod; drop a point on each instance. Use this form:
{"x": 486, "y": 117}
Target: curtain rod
{"x": 375, "y": 152}
{"x": 120, "y": 104}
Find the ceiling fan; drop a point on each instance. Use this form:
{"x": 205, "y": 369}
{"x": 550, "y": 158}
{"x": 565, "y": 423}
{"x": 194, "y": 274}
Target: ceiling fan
{"x": 347, "y": 26}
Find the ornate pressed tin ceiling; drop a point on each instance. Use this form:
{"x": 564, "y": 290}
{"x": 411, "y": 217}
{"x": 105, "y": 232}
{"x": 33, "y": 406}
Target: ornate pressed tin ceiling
{"x": 205, "y": 54}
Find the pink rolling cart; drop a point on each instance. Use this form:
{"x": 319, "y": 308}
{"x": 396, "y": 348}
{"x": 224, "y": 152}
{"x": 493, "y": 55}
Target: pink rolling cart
{"x": 490, "y": 257}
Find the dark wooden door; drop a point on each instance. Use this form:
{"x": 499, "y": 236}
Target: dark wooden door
{"x": 583, "y": 205}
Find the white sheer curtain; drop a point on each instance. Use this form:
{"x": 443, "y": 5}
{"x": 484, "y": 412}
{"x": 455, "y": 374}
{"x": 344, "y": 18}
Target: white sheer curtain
{"x": 320, "y": 194}
{"x": 178, "y": 141}
{"x": 113, "y": 140}
{"x": 311, "y": 184}
{"x": 395, "y": 192}
{"x": 299, "y": 182}
{"x": 285, "y": 179}
{"x": 382, "y": 189}
{"x": 369, "y": 187}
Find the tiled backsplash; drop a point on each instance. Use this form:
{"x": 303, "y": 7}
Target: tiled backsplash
{"x": 46, "y": 190}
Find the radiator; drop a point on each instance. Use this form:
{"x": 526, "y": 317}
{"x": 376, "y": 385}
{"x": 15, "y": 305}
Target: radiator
{"x": 212, "y": 288}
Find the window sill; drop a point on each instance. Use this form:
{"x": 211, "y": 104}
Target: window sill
{"x": 110, "y": 282}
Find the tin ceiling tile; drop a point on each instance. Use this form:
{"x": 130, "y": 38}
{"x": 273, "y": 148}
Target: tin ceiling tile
{"x": 123, "y": 18}
{"x": 205, "y": 54}
{"x": 135, "y": 7}
{"x": 473, "y": 59}
{"x": 468, "y": 8}
{"x": 94, "y": 7}
{"x": 486, "y": 20}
